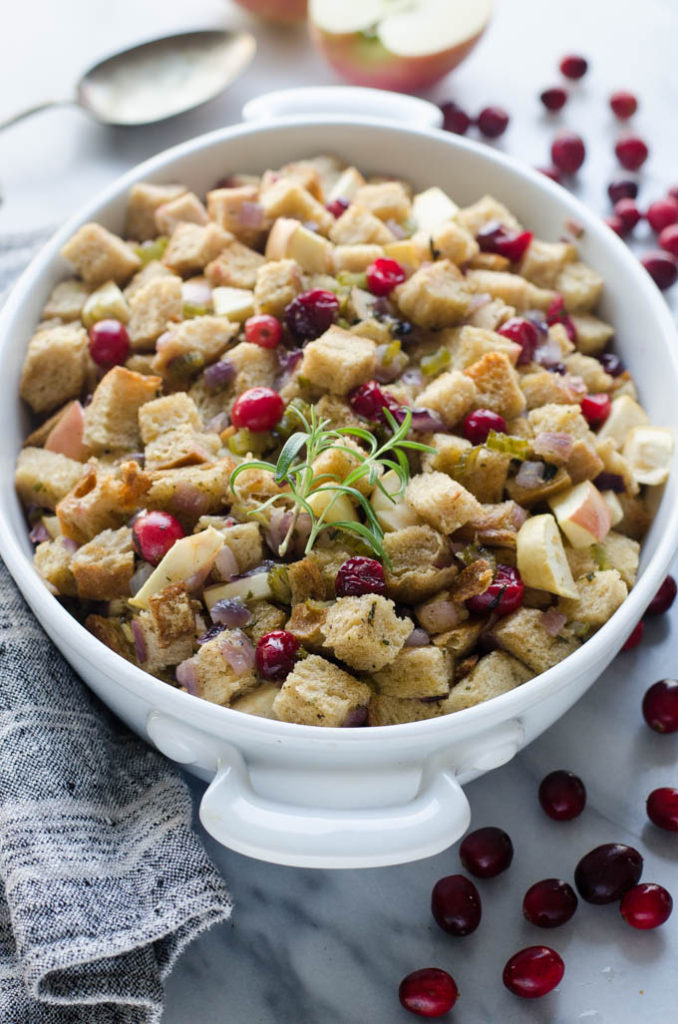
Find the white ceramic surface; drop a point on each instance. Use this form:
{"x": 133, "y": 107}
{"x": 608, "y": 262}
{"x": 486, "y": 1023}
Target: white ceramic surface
{"x": 311, "y": 797}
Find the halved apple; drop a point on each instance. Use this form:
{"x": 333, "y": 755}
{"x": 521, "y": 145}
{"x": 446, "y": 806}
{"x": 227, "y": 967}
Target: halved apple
{"x": 405, "y": 45}
{"x": 582, "y": 513}
{"x": 282, "y": 12}
{"x": 185, "y": 558}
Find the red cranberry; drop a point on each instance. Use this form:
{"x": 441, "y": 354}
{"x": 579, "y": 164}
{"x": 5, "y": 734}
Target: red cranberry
{"x": 662, "y": 268}
{"x": 430, "y": 992}
{"x": 554, "y": 98}
{"x": 596, "y": 409}
{"x": 636, "y": 637}
{"x": 455, "y": 119}
{"x": 668, "y": 239}
{"x": 604, "y": 874}
{"x": 551, "y": 172}
{"x": 662, "y": 808}
{"x": 369, "y": 401}
{"x": 257, "y": 409}
{"x": 310, "y": 314}
{"x": 562, "y": 795}
{"x": 624, "y": 104}
{"x": 496, "y": 237}
{"x": 631, "y": 152}
{"x": 276, "y": 653}
{"x": 478, "y": 424}
{"x": 503, "y": 596}
{"x": 486, "y": 852}
{"x": 455, "y": 904}
{"x": 623, "y": 189}
{"x": 524, "y": 333}
{"x": 384, "y": 275}
{"x": 549, "y": 903}
{"x": 628, "y": 213}
{"x": 556, "y": 314}
{"x": 337, "y": 207}
{"x": 154, "y": 533}
{"x": 533, "y": 972}
{"x": 263, "y": 330}
{"x": 646, "y": 906}
{"x": 664, "y": 598}
{"x": 660, "y": 706}
{"x": 108, "y": 343}
{"x": 612, "y": 364}
{"x": 568, "y": 152}
{"x": 359, "y": 576}
{"x": 492, "y": 122}
{"x": 573, "y": 66}
{"x": 662, "y": 213}
{"x": 617, "y": 225}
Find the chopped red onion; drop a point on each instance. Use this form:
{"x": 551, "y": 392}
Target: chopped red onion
{"x": 355, "y": 719}
{"x": 139, "y": 641}
{"x": 226, "y": 564}
{"x": 237, "y": 651}
{"x": 210, "y": 634}
{"x": 418, "y": 638}
{"x": 219, "y": 375}
{"x": 396, "y": 229}
{"x": 197, "y": 293}
{"x": 231, "y": 612}
{"x": 518, "y": 515}
{"x": 413, "y": 377}
{"x": 610, "y": 482}
{"x": 424, "y": 419}
{"x": 189, "y": 500}
{"x": 195, "y": 582}
{"x": 576, "y": 385}
{"x": 531, "y": 474}
{"x": 164, "y": 340}
{"x": 288, "y": 358}
{"x": 68, "y": 544}
{"x": 478, "y": 301}
{"x": 251, "y": 215}
{"x": 553, "y": 621}
{"x": 386, "y": 373}
{"x": 143, "y": 571}
{"x": 549, "y": 353}
{"x": 441, "y": 615}
{"x": 217, "y": 423}
{"x": 186, "y": 675}
{"x": 279, "y": 525}
{"x": 39, "y": 533}
{"x": 553, "y": 445}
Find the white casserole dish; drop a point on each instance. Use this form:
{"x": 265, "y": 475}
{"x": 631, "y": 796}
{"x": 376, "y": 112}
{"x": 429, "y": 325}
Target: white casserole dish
{"x": 334, "y": 798}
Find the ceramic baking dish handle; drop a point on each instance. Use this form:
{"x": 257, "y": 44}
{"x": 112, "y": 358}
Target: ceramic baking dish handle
{"x": 346, "y": 100}
{"x": 316, "y": 838}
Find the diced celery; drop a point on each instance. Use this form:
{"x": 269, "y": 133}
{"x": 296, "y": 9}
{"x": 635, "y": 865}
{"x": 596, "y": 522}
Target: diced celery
{"x": 149, "y": 251}
{"x": 279, "y": 582}
{"x": 107, "y": 302}
{"x": 516, "y": 447}
{"x": 436, "y": 362}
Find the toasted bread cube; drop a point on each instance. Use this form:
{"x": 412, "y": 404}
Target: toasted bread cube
{"x": 441, "y": 501}
{"x": 357, "y": 226}
{"x": 217, "y": 681}
{"x": 306, "y": 582}
{"x": 225, "y": 206}
{"x": 355, "y": 258}
{"x": 449, "y": 450}
{"x": 493, "y": 675}
{"x": 417, "y": 672}
{"x": 167, "y": 413}
{"x": 182, "y": 446}
{"x": 243, "y": 539}
{"x": 306, "y": 173}
{"x": 591, "y": 372}
{"x": 101, "y": 500}
{"x": 266, "y": 618}
{"x": 144, "y": 199}
{"x": 523, "y": 635}
{"x": 346, "y": 185}
{"x": 544, "y": 388}
{"x": 100, "y": 256}
{"x": 152, "y": 654}
{"x": 365, "y": 631}
{"x": 287, "y": 198}
{"x": 559, "y": 419}
{"x": 453, "y": 242}
{"x": 316, "y": 692}
{"x": 387, "y": 201}
{"x": 334, "y": 465}
{"x": 204, "y": 338}
{"x": 435, "y": 296}
{"x": 415, "y": 552}
{"x": 306, "y": 623}
{"x": 622, "y": 553}
{"x": 541, "y": 557}
{"x": 277, "y": 283}
{"x": 55, "y": 367}
{"x": 580, "y": 286}
{"x": 584, "y": 462}
{"x": 649, "y": 451}
{"x": 600, "y": 594}
{"x": 185, "y": 208}
{"x": 485, "y": 476}
{"x": 207, "y": 484}
{"x": 255, "y": 367}
{"x": 237, "y": 266}
{"x": 498, "y": 384}
{"x": 489, "y": 261}
{"x": 192, "y": 246}
{"x": 258, "y": 702}
{"x": 153, "y": 307}
{"x": 451, "y": 395}
{"x": 510, "y": 288}
{"x": 491, "y": 315}
{"x": 592, "y": 334}
{"x": 461, "y": 639}
{"x": 338, "y": 361}
{"x": 43, "y": 478}
{"x": 543, "y": 262}
{"x": 112, "y": 417}
{"x": 114, "y": 634}
{"x": 52, "y": 560}
{"x": 385, "y": 710}
{"x": 103, "y": 567}
{"x": 150, "y": 272}
{"x": 483, "y": 211}
{"x": 66, "y": 300}
{"x": 173, "y": 614}
{"x": 624, "y": 416}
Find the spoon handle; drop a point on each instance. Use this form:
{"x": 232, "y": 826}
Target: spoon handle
{"x": 36, "y": 108}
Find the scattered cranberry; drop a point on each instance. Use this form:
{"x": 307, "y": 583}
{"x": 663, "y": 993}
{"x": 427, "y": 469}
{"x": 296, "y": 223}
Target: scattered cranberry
{"x": 612, "y": 364}
{"x": 455, "y": 119}
{"x": 455, "y": 904}
{"x": 310, "y": 314}
{"x": 551, "y": 172}
{"x": 636, "y": 637}
{"x": 662, "y": 808}
{"x": 604, "y": 874}
{"x": 664, "y": 598}
{"x": 668, "y": 239}
{"x": 503, "y": 596}
{"x": 337, "y": 207}
{"x": 574, "y": 66}
{"x": 496, "y": 237}
{"x": 108, "y": 343}
{"x": 662, "y": 213}
{"x": 631, "y": 152}
{"x": 617, "y": 225}
{"x": 554, "y": 98}
{"x": 623, "y": 189}
{"x": 257, "y": 409}
{"x": 276, "y": 653}
{"x": 662, "y": 268}
{"x": 359, "y": 576}
{"x": 478, "y": 424}
{"x": 430, "y": 992}
{"x": 154, "y": 533}
{"x": 568, "y": 152}
{"x": 533, "y": 972}
{"x": 556, "y": 314}
{"x": 492, "y": 122}
{"x": 524, "y": 333}
{"x": 596, "y": 409}
{"x": 549, "y": 903}
{"x": 660, "y": 706}
{"x": 646, "y": 906}
{"x": 264, "y": 331}
{"x": 624, "y": 104}
{"x": 384, "y": 275}
{"x": 562, "y": 795}
{"x": 369, "y": 401}
{"x": 486, "y": 852}
{"x": 628, "y": 213}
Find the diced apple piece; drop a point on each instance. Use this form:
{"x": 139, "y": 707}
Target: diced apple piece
{"x": 291, "y": 240}
{"x": 432, "y": 208}
{"x": 66, "y": 436}
{"x": 541, "y": 557}
{"x": 409, "y": 252}
{"x": 346, "y": 185}
{"x": 235, "y": 303}
{"x": 186, "y": 558}
{"x": 248, "y": 588}
{"x": 104, "y": 303}
{"x": 279, "y": 238}
{"x": 624, "y": 416}
{"x": 52, "y": 525}
{"x": 649, "y": 451}
{"x": 614, "y": 505}
{"x": 582, "y": 514}
{"x": 341, "y": 510}
{"x": 392, "y": 515}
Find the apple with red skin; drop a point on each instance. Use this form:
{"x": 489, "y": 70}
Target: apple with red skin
{"x": 282, "y": 12}
{"x": 404, "y": 45}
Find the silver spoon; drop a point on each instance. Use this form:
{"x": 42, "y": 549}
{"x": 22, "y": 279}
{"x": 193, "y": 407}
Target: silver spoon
{"x": 158, "y": 79}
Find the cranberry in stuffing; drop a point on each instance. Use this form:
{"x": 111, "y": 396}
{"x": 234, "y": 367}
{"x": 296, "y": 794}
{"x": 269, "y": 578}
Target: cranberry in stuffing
{"x": 369, "y": 401}
{"x": 503, "y": 596}
{"x": 384, "y": 275}
{"x": 359, "y": 576}
{"x": 257, "y": 409}
{"x": 311, "y": 314}
{"x": 264, "y": 331}
{"x": 276, "y": 653}
{"x": 108, "y": 343}
{"x": 497, "y": 238}
{"x": 154, "y": 533}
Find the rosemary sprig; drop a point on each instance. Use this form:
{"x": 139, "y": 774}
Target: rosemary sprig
{"x": 294, "y": 470}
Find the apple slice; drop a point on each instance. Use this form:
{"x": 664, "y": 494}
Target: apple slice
{"x": 289, "y": 239}
{"x": 583, "y": 514}
{"x": 396, "y": 514}
{"x": 186, "y": 558}
{"x": 66, "y": 437}
{"x": 541, "y": 557}
{"x": 235, "y": 303}
{"x": 334, "y": 506}
{"x": 432, "y": 208}
{"x": 405, "y": 45}
{"x": 649, "y": 451}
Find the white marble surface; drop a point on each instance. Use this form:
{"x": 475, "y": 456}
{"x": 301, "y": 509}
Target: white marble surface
{"x": 330, "y": 947}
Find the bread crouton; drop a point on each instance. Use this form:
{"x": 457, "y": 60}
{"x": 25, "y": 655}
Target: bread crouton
{"x": 167, "y": 413}
{"x": 143, "y": 201}
{"x": 287, "y": 198}
{"x": 193, "y": 344}
{"x": 493, "y": 675}
{"x": 358, "y": 226}
{"x": 421, "y": 563}
{"x": 441, "y": 501}
{"x": 451, "y": 395}
{"x": 153, "y": 655}
{"x": 522, "y": 634}
{"x": 99, "y": 256}
{"x": 452, "y": 241}
{"x": 55, "y": 367}
{"x": 337, "y": 410}
{"x": 580, "y": 286}
{"x": 303, "y": 172}
{"x": 151, "y": 271}
{"x": 334, "y": 464}
{"x": 52, "y": 560}
{"x": 101, "y": 500}
{"x": 112, "y": 417}
{"x": 474, "y": 579}
{"x": 469, "y": 344}
{"x": 592, "y": 334}
{"x": 491, "y": 315}
{"x": 173, "y": 614}
{"x": 584, "y": 463}
{"x": 437, "y": 295}
{"x": 225, "y": 206}
{"x": 255, "y": 367}
{"x": 259, "y": 701}
{"x": 387, "y": 200}
{"x": 637, "y": 516}
{"x": 104, "y": 566}
{"x": 355, "y": 258}
{"x": 306, "y": 623}
{"x": 43, "y": 478}
{"x": 338, "y": 361}
{"x": 306, "y": 581}
{"x": 192, "y": 246}
{"x": 191, "y": 491}
{"x": 277, "y": 283}
{"x": 185, "y": 208}
{"x": 66, "y": 300}
{"x": 365, "y": 631}
{"x": 316, "y": 692}
{"x": 498, "y": 385}
{"x": 385, "y": 710}
{"x": 113, "y": 634}
{"x": 417, "y": 672}
{"x": 461, "y": 639}
{"x": 449, "y": 449}
{"x": 216, "y": 679}
{"x": 153, "y": 307}
{"x": 485, "y": 474}
{"x": 236, "y": 266}
{"x": 512, "y": 289}
{"x": 487, "y": 209}
{"x": 182, "y": 446}
{"x": 543, "y": 262}
{"x": 591, "y": 372}
{"x": 553, "y": 418}
{"x": 600, "y": 594}
{"x": 622, "y": 553}
{"x": 243, "y": 540}
{"x": 544, "y": 388}
{"x": 266, "y": 618}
